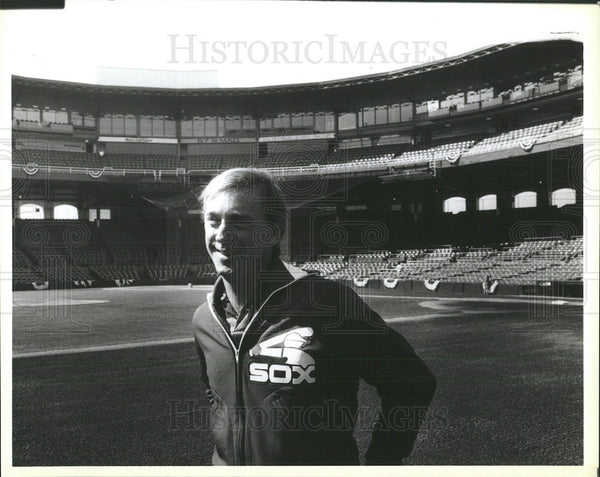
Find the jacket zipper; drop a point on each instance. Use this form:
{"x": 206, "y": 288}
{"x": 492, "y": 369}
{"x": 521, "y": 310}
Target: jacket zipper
{"x": 238, "y": 370}
{"x": 238, "y": 384}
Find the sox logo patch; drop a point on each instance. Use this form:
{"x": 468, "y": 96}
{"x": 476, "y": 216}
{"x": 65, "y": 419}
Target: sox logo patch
{"x": 298, "y": 367}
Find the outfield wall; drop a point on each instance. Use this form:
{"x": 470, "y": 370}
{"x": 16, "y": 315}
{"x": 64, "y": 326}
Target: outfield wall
{"x": 377, "y": 287}
{"x": 418, "y": 288}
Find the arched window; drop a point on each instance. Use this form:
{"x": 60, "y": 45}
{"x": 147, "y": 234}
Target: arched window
{"x": 525, "y": 200}
{"x": 562, "y": 197}
{"x": 31, "y": 211}
{"x": 66, "y": 211}
{"x": 455, "y": 205}
{"x": 487, "y": 202}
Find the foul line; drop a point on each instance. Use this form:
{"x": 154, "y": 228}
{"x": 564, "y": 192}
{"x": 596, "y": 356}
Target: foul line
{"x": 158, "y": 288}
{"x": 122, "y": 346}
{"x": 143, "y": 344}
{"x": 91, "y": 349}
{"x": 483, "y": 299}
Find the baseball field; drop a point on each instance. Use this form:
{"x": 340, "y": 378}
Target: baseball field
{"x": 107, "y": 377}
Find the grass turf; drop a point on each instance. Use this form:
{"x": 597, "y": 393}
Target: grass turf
{"x": 509, "y": 383}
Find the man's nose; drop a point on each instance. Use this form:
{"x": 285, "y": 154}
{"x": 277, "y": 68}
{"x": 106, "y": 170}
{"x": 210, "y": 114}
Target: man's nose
{"x": 225, "y": 233}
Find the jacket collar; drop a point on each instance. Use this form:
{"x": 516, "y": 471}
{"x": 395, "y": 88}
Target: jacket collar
{"x": 294, "y": 271}
{"x": 278, "y": 275}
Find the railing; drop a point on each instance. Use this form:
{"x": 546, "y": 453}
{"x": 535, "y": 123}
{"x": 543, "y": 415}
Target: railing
{"x": 383, "y": 163}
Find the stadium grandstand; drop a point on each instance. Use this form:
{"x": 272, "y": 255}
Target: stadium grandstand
{"x": 464, "y": 171}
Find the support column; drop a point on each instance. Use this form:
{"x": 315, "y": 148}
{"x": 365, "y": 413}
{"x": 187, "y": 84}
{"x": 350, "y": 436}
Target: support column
{"x": 48, "y": 211}
{"x": 504, "y": 203}
{"x": 471, "y": 214}
{"x": 285, "y": 245}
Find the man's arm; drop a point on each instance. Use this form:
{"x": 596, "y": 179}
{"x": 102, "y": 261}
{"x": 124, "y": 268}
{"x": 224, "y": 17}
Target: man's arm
{"x": 406, "y": 387}
{"x": 202, "y": 368}
{"x": 403, "y": 381}
{"x": 199, "y": 352}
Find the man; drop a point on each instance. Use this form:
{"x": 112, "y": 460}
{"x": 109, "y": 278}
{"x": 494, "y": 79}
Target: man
{"x": 282, "y": 352}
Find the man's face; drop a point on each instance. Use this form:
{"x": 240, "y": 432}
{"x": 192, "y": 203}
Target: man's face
{"x": 232, "y": 232}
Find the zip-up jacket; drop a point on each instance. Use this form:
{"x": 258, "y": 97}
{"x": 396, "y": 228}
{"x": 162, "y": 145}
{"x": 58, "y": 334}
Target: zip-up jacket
{"x": 286, "y": 394}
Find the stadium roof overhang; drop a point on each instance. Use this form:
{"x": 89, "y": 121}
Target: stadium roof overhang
{"x": 501, "y": 66}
